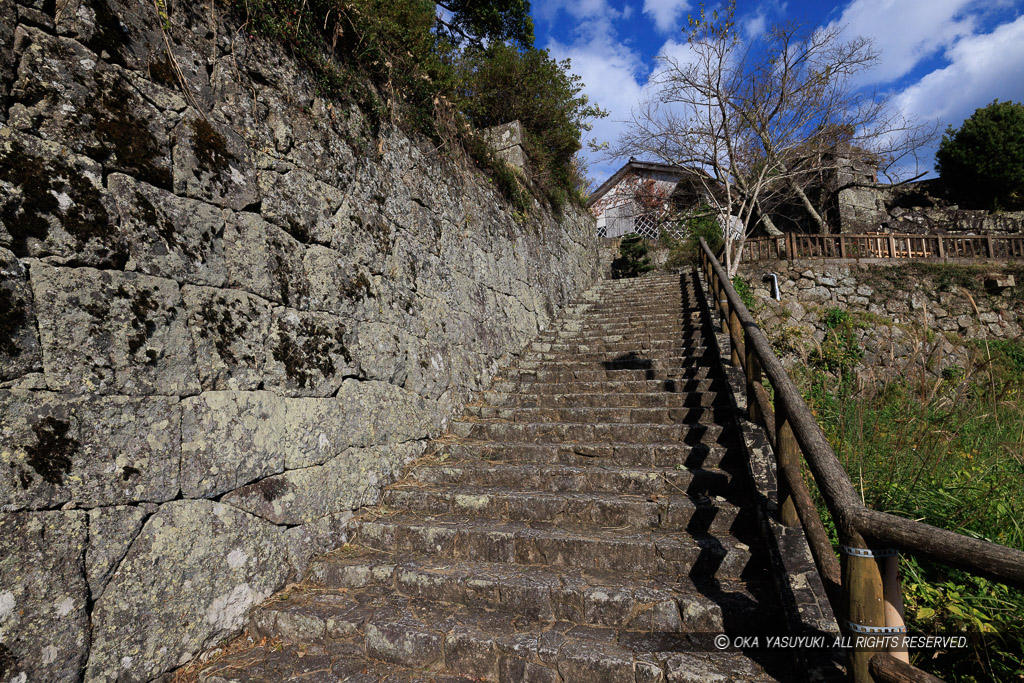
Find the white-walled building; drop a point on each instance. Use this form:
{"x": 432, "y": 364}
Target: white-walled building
{"x": 634, "y": 199}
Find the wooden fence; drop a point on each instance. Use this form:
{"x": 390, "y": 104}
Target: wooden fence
{"x": 864, "y": 588}
{"x": 883, "y": 246}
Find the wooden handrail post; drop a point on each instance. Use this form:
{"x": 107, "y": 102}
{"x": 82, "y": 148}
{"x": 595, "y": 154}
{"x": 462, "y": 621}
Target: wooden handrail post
{"x": 787, "y": 452}
{"x": 735, "y": 336}
{"x": 753, "y": 377}
{"x": 865, "y": 602}
{"x": 892, "y": 590}
{"x": 990, "y": 246}
{"x": 942, "y": 252}
{"x": 892, "y": 246}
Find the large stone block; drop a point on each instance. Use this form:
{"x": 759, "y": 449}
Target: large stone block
{"x": 381, "y": 413}
{"x": 308, "y": 353}
{"x": 350, "y": 481}
{"x": 8, "y": 20}
{"x": 87, "y": 450}
{"x": 172, "y": 237}
{"x": 300, "y": 204}
{"x": 212, "y": 163}
{"x": 187, "y": 581}
{"x": 116, "y": 30}
{"x": 265, "y": 260}
{"x": 68, "y": 95}
{"x": 44, "y": 625}
{"x": 233, "y": 438}
{"x": 53, "y": 205}
{"x": 230, "y": 438}
{"x": 108, "y": 331}
{"x": 19, "y": 338}
{"x": 111, "y": 532}
{"x": 229, "y": 331}
{"x": 338, "y": 285}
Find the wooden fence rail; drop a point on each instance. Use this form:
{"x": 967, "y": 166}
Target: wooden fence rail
{"x": 883, "y": 246}
{"x": 864, "y": 587}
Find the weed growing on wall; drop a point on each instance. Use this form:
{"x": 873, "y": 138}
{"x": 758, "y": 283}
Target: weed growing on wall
{"x": 404, "y": 65}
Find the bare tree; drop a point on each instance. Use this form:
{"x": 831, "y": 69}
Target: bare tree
{"x": 759, "y": 122}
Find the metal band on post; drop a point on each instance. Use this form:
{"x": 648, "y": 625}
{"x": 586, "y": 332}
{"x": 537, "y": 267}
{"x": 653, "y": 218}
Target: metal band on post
{"x": 867, "y": 552}
{"x": 875, "y": 630}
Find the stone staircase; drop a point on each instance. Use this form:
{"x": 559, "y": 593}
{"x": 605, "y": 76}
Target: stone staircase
{"x": 581, "y": 521}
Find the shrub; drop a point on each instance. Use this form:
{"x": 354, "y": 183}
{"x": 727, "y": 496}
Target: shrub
{"x": 982, "y": 163}
{"x": 503, "y": 83}
{"x": 686, "y": 251}
{"x": 633, "y": 259}
{"x": 402, "y": 63}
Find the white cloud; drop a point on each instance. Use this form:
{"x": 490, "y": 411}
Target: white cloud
{"x": 754, "y": 25}
{"x": 982, "y": 68}
{"x": 905, "y": 32}
{"x": 667, "y": 14}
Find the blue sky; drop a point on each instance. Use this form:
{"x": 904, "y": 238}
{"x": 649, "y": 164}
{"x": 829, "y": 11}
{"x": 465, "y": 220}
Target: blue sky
{"x": 940, "y": 59}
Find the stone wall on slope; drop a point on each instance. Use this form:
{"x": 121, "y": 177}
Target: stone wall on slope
{"x": 905, "y": 316}
{"x": 229, "y": 314}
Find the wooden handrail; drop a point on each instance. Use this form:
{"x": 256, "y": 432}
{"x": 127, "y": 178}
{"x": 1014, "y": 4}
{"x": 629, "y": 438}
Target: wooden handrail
{"x": 883, "y": 246}
{"x": 867, "y": 534}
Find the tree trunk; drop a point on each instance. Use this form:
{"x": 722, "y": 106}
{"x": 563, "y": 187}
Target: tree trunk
{"x": 815, "y": 216}
{"x": 766, "y": 221}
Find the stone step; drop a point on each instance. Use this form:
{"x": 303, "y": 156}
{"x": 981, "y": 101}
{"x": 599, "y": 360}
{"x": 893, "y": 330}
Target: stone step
{"x": 505, "y": 405}
{"x": 670, "y": 604}
{"x": 707, "y": 432}
{"x": 659, "y": 416}
{"x": 667, "y": 364}
{"x": 632, "y": 551}
{"x": 594, "y": 454}
{"x": 617, "y": 347}
{"x": 666, "y": 511}
{"x": 696, "y": 371}
{"x": 277, "y": 662}
{"x": 660, "y": 330}
{"x": 587, "y": 477}
{"x": 625, "y": 353}
{"x": 606, "y": 386}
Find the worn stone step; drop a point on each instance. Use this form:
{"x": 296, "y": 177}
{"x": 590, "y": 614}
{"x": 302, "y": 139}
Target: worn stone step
{"x": 587, "y": 477}
{"x": 441, "y": 638}
{"x": 710, "y": 431}
{"x": 621, "y": 355}
{"x": 617, "y": 347}
{"x": 650, "y": 603}
{"x": 645, "y": 386}
{"x": 638, "y": 331}
{"x": 591, "y": 408}
{"x": 660, "y": 416}
{"x": 635, "y": 551}
{"x": 329, "y": 662}
{"x": 619, "y": 454}
{"x": 667, "y": 361}
{"x": 505, "y": 405}
{"x": 699, "y": 370}
{"x": 636, "y": 338}
{"x": 667, "y": 511}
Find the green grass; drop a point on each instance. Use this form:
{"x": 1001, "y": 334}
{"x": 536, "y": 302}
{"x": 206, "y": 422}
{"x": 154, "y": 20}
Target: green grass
{"x": 950, "y": 452}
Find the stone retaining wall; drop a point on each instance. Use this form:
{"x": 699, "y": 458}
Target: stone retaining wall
{"x": 904, "y": 314}
{"x": 223, "y": 328}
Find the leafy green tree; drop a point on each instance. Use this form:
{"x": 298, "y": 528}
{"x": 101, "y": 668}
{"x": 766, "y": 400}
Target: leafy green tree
{"x": 494, "y": 21}
{"x": 982, "y": 163}
{"x": 503, "y": 83}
